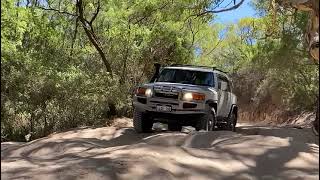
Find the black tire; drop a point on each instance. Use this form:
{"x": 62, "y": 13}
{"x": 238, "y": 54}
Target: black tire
{"x": 232, "y": 122}
{"x": 208, "y": 121}
{"x": 174, "y": 127}
{"x": 221, "y": 126}
{"x": 141, "y": 122}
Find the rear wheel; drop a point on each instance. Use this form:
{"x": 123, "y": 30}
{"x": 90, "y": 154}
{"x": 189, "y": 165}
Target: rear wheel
{"x": 141, "y": 122}
{"x": 221, "y": 125}
{"x": 174, "y": 127}
{"x": 208, "y": 121}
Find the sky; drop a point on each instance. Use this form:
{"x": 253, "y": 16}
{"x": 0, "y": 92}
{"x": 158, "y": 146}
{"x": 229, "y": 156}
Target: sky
{"x": 245, "y": 10}
{"x": 233, "y": 16}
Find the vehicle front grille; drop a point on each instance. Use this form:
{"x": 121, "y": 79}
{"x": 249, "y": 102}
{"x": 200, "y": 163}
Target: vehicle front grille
{"x": 161, "y": 102}
{"x": 166, "y": 95}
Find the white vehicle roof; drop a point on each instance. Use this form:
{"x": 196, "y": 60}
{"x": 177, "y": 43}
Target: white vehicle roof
{"x": 190, "y": 68}
{"x": 195, "y": 68}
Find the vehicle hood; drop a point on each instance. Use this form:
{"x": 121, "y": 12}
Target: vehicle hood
{"x": 179, "y": 86}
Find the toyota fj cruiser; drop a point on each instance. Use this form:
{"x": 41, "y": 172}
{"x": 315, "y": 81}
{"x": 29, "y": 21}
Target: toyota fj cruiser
{"x": 181, "y": 95}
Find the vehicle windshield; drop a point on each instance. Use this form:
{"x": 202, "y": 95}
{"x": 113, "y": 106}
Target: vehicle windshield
{"x": 186, "y": 77}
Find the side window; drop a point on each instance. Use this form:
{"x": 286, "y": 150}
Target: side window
{"x": 219, "y": 80}
{"x": 224, "y": 79}
{"x": 228, "y": 86}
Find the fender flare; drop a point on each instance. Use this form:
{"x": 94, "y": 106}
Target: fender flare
{"x": 234, "y": 107}
{"x": 213, "y": 104}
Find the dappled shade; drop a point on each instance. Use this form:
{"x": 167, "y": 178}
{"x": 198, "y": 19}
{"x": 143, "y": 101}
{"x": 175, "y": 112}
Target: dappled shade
{"x": 107, "y": 153}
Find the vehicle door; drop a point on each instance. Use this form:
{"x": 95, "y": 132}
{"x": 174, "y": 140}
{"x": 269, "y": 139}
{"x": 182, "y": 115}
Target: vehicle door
{"x": 224, "y": 95}
{"x": 220, "y": 96}
{"x": 229, "y": 97}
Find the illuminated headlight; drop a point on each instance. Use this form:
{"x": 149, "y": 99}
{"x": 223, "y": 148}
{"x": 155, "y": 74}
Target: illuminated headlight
{"x": 187, "y": 96}
{"x": 148, "y": 92}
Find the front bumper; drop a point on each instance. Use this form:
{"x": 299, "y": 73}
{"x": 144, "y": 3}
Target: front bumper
{"x": 149, "y": 105}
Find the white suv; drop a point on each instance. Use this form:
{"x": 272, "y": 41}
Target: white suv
{"x": 180, "y": 95}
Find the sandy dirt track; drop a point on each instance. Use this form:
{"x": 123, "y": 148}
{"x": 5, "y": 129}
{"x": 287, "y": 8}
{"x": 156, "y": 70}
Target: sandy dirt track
{"x": 119, "y": 153}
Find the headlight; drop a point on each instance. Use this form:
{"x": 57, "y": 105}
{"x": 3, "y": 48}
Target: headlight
{"x": 188, "y": 96}
{"x": 141, "y": 91}
{"x": 148, "y": 92}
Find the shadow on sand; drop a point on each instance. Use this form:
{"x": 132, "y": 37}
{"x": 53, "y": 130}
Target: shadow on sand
{"x": 168, "y": 155}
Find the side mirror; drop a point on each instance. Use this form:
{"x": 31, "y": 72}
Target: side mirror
{"x": 223, "y": 86}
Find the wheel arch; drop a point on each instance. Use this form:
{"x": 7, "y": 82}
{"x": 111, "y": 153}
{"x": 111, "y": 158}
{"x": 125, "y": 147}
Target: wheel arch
{"x": 234, "y": 109}
{"x": 213, "y": 104}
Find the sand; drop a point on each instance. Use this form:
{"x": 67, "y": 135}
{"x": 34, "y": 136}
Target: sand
{"x": 253, "y": 152}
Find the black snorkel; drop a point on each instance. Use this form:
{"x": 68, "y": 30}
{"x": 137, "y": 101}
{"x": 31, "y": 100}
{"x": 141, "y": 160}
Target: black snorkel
{"x": 156, "y": 73}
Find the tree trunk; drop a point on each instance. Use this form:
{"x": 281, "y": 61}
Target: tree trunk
{"x": 88, "y": 28}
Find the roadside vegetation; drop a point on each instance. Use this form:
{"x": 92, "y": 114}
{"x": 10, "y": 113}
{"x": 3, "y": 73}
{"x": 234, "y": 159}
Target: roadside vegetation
{"x": 66, "y": 64}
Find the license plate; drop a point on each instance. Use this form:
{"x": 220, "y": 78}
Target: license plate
{"x": 163, "y": 108}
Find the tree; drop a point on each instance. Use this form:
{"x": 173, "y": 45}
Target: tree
{"x": 312, "y": 34}
{"x": 311, "y": 6}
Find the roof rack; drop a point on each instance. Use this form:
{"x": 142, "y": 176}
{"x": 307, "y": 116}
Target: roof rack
{"x": 189, "y": 65}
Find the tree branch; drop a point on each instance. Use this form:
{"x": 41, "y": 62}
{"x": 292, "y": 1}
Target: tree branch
{"x": 92, "y": 37}
{"x": 220, "y": 40}
{"x": 95, "y": 14}
{"x": 220, "y": 10}
{"x": 74, "y": 36}
{"x": 150, "y": 13}
{"x": 57, "y": 10}
{"x": 194, "y": 33}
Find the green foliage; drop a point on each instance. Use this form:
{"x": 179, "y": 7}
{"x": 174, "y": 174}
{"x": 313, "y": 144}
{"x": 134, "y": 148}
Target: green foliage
{"x": 52, "y": 77}
{"x": 276, "y": 53}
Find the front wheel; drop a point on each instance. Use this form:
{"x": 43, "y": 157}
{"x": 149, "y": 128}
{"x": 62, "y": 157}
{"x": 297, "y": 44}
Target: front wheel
{"x": 141, "y": 122}
{"x": 208, "y": 121}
